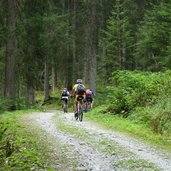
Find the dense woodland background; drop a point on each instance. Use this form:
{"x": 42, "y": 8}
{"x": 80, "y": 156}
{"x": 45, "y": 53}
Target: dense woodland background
{"x": 48, "y": 44}
{"x": 120, "y": 48}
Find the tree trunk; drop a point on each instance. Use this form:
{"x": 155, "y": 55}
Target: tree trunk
{"x": 93, "y": 62}
{"x": 141, "y": 4}
{"x": 46, "y": 82}
{"x": 54, "y": 87}
{"x": 74, "y": 42}
{"x": 10, "y": 65}
{"x": 90, "y": 71}
{"x": 118, "y": 25}
{"x": 86, "y": 77}
{"x": 30, "y": 92}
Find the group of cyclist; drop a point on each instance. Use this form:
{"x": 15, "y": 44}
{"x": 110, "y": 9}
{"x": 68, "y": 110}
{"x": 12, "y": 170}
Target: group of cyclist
{"x": 79, "y": 93}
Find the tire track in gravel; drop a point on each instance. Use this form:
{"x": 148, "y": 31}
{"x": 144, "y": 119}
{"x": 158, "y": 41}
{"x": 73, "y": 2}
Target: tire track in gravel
{"x": 91, "y": 159}
{"x": 160, "y": 159}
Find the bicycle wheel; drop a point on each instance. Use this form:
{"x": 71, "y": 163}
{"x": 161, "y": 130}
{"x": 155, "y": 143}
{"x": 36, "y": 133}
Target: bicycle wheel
{"x": 80, "y": 114}
{"x": 89, "y": 105}
{"x": 86, "y": 107}
{"x": 62, "y": 105}
{"x": 76, "y": 116}
{"x": 65, "y": 107}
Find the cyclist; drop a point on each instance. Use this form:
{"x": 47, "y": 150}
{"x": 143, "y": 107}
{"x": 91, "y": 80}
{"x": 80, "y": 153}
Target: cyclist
{"x": 78, "y": 91}
{"x": 65, "y": 96}
{"x": 89, "y": 97}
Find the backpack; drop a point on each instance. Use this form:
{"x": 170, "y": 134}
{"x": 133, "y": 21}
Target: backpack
{"x": 80, "y": 89}
{"x": 65, "y": 93}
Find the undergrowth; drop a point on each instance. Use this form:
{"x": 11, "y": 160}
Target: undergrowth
{"x": 128, "y": 126}
{"x": 19, "y": 148}
{"x": 143, "y": 97}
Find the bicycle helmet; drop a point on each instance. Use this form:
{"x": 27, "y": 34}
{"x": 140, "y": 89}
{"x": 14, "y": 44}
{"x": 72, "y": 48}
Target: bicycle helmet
{"x": 79, "y": 81}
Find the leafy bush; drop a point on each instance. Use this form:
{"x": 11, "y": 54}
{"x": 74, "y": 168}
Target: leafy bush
{"x": 157, "y": 117}
{"x": 143, "y": 97}
{"x": 137, "y": 89}
{"x": 15, "y": 104}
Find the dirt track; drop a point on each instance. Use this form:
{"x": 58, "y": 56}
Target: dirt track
{"x": 101, "y": 150}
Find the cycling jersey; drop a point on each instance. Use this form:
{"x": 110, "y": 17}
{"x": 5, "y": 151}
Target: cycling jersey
{"x": 77, "y": 95}
{"x": 65, "y": 96}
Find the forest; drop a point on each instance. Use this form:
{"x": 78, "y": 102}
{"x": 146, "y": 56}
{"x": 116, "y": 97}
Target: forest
{"x": 121, "y": 49}
{"x": 48, "y": 44}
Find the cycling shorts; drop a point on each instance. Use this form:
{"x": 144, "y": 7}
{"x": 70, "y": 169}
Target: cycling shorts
{"x": 79, "y": 97}
{"x": 88, "y": 99}
{"x": 65, "y": 98}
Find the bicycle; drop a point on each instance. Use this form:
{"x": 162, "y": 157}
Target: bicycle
{"x": 79, "y": 110}
{"x": 88, "y": 104}
{"x": 64, "y": 106}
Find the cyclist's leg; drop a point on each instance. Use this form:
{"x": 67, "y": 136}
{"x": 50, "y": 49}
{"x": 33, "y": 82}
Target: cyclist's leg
{"x": 66, "y": 103}
{"x": 91, "y": 103}
{"x": 83, "y": 104}
{"x": 75, "y": 106}
{"x": 62, "y": 101}
{"x": 76, "y": 112}
{"x": 86, "y": 104}
{"x": 83, "y": 101}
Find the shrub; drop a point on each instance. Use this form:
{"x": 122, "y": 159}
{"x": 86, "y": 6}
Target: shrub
{"x": 15, "y": 104}
{"x": 137, "y": 89}
{"x": 157, "y": 117}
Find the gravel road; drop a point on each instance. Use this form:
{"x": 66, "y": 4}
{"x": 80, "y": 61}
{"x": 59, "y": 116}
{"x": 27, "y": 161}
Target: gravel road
{"x": 101, "y": 150}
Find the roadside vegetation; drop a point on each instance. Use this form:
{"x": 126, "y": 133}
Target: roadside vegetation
{"x": 138, "y": 103}
{"x": 128, "y": 127}
{"x": 20, "y": 149}
{"x": 47, "y": 45}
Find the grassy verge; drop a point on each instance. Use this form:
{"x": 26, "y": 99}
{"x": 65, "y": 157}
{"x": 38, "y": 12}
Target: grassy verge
{"x": 20, "y": 149}
{"x": 116, "y": 123}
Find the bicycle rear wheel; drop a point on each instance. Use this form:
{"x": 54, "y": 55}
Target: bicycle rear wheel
{"x": 80, "y": 114}
{"x": 89, "y": 105}
{"x": 76, "y": 116}
{"x": 65, "y": 107}
{"x": 86, "y": 107}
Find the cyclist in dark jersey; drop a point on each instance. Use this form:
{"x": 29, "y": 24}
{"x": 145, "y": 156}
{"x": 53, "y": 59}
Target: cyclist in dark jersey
{"x": 65, "y": 96}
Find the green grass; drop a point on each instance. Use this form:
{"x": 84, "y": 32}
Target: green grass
{"x": 136, "y": 166}
{"x": 74, "y": 130}
{"x": 116, "y": 123}
{"x": 20, "y": 149}
{"x": 157, "y": 117}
